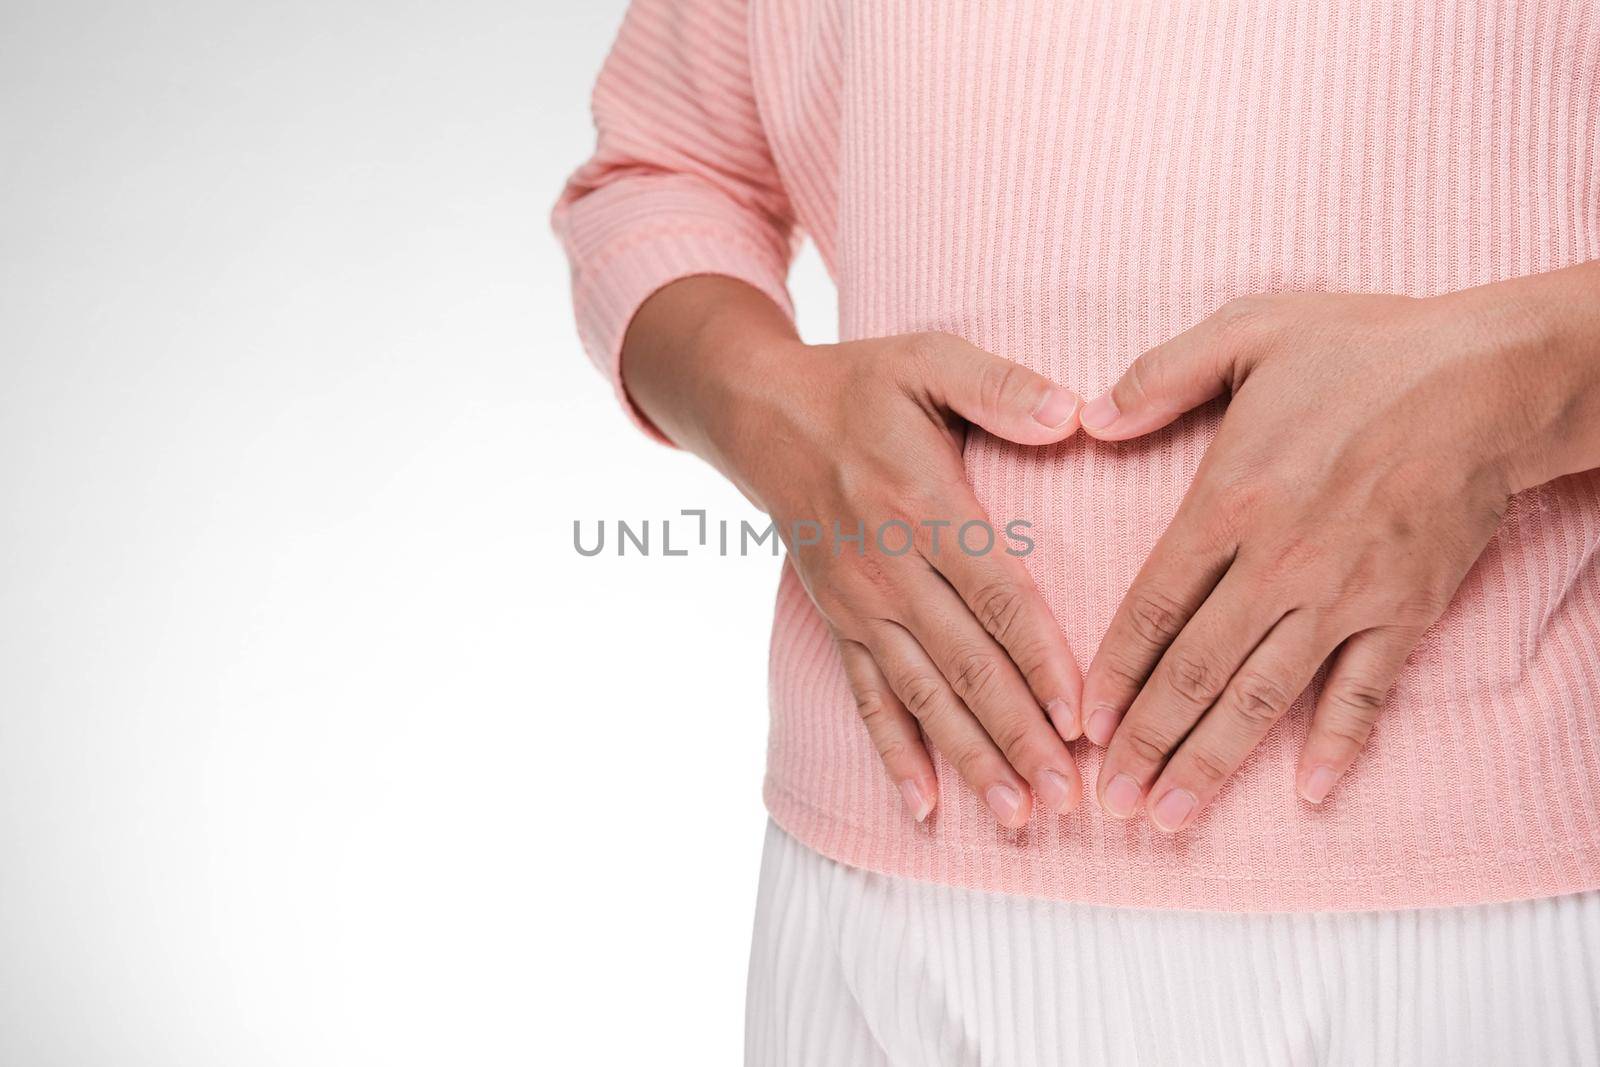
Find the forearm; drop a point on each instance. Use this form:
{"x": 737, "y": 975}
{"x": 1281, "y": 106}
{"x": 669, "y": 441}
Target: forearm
{"x": 693, "y": 361}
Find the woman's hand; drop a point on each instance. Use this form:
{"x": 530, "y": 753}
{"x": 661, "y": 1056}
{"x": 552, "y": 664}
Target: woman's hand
{"x": 1367, "y": 455}
{"x": 865, "y": 439}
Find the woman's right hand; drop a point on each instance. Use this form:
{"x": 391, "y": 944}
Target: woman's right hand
{"x": 865, "y": 437}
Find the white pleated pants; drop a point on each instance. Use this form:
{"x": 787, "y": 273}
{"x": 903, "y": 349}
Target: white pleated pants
{"x": 849, "y": 967}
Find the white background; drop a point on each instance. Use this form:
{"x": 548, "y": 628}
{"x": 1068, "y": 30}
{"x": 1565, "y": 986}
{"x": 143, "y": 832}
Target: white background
{"x": 319, "y": 743}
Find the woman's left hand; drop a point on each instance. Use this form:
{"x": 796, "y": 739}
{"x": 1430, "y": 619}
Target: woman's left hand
{"x": 1367, "y": 455}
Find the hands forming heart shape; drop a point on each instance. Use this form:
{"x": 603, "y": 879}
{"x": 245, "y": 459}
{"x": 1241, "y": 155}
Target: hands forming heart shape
{"x": 1369, "y": 450}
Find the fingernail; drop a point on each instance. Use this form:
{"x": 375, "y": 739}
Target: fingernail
{"x": 917, "y": 799}
{"x": 1121, "y": 796}
{"x": 1056, "y": 409}
{"x": 1102, "y": 725}
{"x": 1064, "y": 719}
{"x": 1005, "y": 802}
{"x": 1099, "y": 413}
{"x": 1055, "y": 792}
{"x": 1319, "y": 783}
{"x": 1172, "y": 809}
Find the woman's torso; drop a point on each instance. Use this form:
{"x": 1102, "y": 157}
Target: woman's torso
{"x": 1068, "y": 184}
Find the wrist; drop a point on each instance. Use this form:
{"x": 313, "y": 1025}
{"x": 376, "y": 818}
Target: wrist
{"x": 689, "y": 345}
{"x": 1541, "y": 336}
{"x": 741, "y": 371}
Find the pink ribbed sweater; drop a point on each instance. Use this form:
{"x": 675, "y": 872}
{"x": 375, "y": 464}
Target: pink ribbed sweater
{"x": 1067, "y": 184}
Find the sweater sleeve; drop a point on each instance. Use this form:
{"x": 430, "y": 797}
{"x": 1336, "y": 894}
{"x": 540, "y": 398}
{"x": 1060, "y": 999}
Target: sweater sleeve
{"x": 681, "y": 181}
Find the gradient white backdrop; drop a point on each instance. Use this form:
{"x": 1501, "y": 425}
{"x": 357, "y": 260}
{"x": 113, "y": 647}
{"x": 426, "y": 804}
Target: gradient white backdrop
{"x": 319, "y": 743}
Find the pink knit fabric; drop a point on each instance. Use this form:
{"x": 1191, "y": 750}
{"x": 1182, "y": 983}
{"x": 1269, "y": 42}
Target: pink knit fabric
{"x": 1068, "y": 184}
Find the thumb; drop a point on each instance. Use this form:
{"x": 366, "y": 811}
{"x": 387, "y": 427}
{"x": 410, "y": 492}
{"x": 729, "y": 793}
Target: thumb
{"x": 1170, "y": 379}
{"x": 1004, "y": 398}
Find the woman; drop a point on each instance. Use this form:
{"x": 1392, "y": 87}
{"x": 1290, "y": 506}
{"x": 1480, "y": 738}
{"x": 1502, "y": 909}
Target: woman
{"x": 1340, "y": 723}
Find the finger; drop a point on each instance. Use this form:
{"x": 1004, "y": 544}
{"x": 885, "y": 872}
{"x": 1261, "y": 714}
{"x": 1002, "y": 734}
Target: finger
{"x": 1173, "y": 377}
{"x": 1192, "y": 674}
{"x": 1256, "y": 697}
{"x": 1002, "y": 596}
{"x": 950, "y": 727}
{"x": 893, "y": 730}
{"x": 1005, "y": 398}
{"x": 1180, "y": 573}
{"x": 1363, "y": 673}
{"x": 984, "y": 678}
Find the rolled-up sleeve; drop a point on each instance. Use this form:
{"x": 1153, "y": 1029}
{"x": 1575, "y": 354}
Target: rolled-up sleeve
{"x": 681, "y": 181}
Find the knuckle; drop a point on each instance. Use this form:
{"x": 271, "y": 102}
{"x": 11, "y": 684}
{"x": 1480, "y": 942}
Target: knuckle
{"x": 1238, "y": 500}
{"x": 1258, "y": 701}
{"x": 1356, "y": 705}
{"x": 1124, "y": 674}
{"x": 1419, "y": 610}
{"x": 923, "y": 350}
{"x": 1137, "y": 379}
{"x": 1194, "y": 678}
{"x": 1012, "y": 735}
{"x": 970, "y": 762}
{"x": 973, "y": 675}
{"x": 920, "y": 694}
{"x": 918, "y": 357}
{"x": 1361, "y": 585}
{"x": 862, "y": 576}
{"x": 1293, "y": 558}
{"x": 874, "y": 710}
{"x": 1154, "y": 617}
{"x": 999, "y": 607}
{"x": 1362, "y": 696}
{"x": 998, "y": 381}
{"x": 831, "y": 603}
{"x": 850, "y": 581}
{"x": 893, "y": 752}
{"x": 842, "y": 629}
{"x": 1033, "y": 660}
{"x": 1145, "y": 745}
{"x": 1208, "y": 767}
{"x": 851, "y": 480}
{"x": 930, "y": 342}
{"x": 1242, "y": 319}
{"x": 1353, "y": 730}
